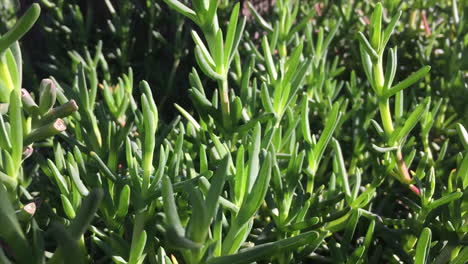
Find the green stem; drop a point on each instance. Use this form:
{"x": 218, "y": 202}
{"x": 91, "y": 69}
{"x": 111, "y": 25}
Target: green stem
{"x": 138, "y": 228}
{"x": 283, "y": 51}
{"x": 225, "y": 108}
{"x": 310, "y": 179}
{"x": 386, "y": 116}
{"x": 387, "y": 122}
{"x": 427, "y": 149}
{"x": 379, "y": 76}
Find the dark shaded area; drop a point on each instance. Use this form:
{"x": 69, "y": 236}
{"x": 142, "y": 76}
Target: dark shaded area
{"x": 149, "y": 42}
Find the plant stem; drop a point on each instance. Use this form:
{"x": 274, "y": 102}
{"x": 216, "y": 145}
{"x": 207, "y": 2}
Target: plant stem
{"x": 283, "y": 50}
{"x": 225, "y": 108}
{"x": 138, "y": 227}
{"x": 385, "y": 114}
{"x": 379, "y": 76}
{"x": 386, "y": 117}
{"x": 406, "y": 177}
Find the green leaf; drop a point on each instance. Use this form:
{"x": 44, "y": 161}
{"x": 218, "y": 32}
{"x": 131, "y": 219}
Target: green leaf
{"x": 146, "y": 89}
{"x": 231, "y": 31}
{"x": 161, "y": 167}
{"x": 262, "y": 118}
{"x": 305, "y": 125}
{"x": 109, "y": 99}
{"x": 255, "y": 197}
{"x": 240, "y": 180}
{"x": 423, "y": 247}
{"x": 292, "y": 65}
{"x": 60, "y": 180}
{"x": 23, "y": 25}
{"x": 384, "y": 149}
{"x": 445, "y": 199}
{"x": 376, "y": 25}
{"x": 47, "y": 95}
{"x": 103, "y": 167}
{"x": 237, "y": 39}
{"x": 329, "y": 37}
{"x": 367, "y": 65}
{"x": 332, "y": 121}
{"x": 188, "y": 116}
{"x": 462, "y": 257}
{"x": 13, "y": 70}
{"x": 137, "y": 251}
{"x": 240, "y": 228}
{"x": 411, "y": 122}
{"x": 149, "y": 141}
{"x": 16, "y": 51}
{"x": 216, "y": 188}
{"x": 270, "y": 65}
{"x": 119, "y": 260}
{"x": 58, "y": 112}
{"x": 399, "y": 105}
{"x": 299, "y": 75}
{"x": 197, "y": 227}
{"x": 364, "y": 43}
{"x": 8, "y": 181}
{"x": 390, "y": 68}
{"x": 364, "y": 198}
{"x": 413, "y": 78}
{"x": 170, "y": 208}
{"x": 462, "y": 174}
{"x": 182, "y": 9}
{"x": 342, "y": 169}
{"x": 259, "y": 18}
{"x": 301, "y": 24}
{"x": 356, "y": 257}
{"x": 463, "y": 135}
{"x": 5, "y": 142}
{"x": 260, "y": 251}
{"x": 67, "y": 207}
{"x": 124, "y": 201}
{"x": 177, "y": 240}
{"x": 86, "y": 213}
{"x": 254, "y": 151}
{"x": 16, "y": 128}
{"x": 48, "y": 130}
{"x": 205, "y": 66}
{"x": 266, "y": 99}
{"x": 83, "y": 88}
{"x": 236, "y": 110}
{"x": 389, "y": 30}
{"x": 310, "y": 222}
{"x": 313, "y": 245}
{"x": 350, "y": 228}
{"x": 218, "y": 53}
{"x": 195, "y": 81}
{"x": 74, "y": 173}
{"x": 369, "y": 234}
{"x": 204, "y": 51}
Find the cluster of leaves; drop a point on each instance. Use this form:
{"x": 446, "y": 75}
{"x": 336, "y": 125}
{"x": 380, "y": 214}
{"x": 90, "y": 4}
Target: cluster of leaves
{"x": 295, "y": 156}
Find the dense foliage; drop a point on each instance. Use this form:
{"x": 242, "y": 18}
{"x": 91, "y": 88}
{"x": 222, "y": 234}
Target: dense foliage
{"x": 206, "y": 131}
